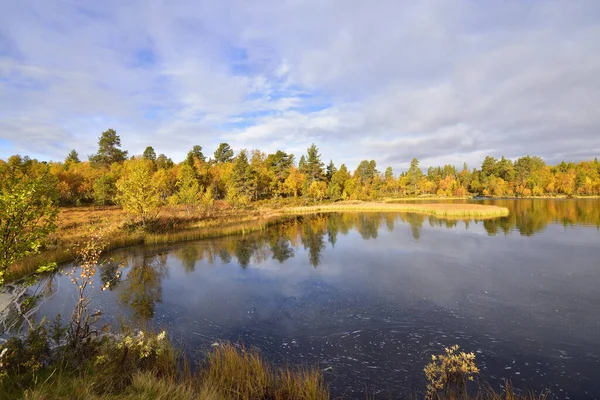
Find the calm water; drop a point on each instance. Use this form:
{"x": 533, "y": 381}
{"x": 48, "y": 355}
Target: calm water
{"x": 375, "y": 295}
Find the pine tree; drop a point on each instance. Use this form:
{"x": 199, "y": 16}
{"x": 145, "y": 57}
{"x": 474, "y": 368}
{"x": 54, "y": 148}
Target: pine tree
{"x": 72, "y": 158}
{"x": 109, "y": 151}
{"x": 149, "y": 154}
{"x": 194, "y": 154}
{"x": 223, "y": 154}
{"x": 331, "y": 169}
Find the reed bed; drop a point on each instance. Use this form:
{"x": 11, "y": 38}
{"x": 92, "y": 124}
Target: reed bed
{"x": 176, "y": 225}
{"x": 230, "y": 371}
{"x": 119, "y": 237}
{"x": 436, "y": 209}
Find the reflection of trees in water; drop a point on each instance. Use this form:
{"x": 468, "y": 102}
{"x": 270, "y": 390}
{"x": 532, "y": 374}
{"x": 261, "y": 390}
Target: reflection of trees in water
{"x": 225, "y": 256}
{"x": 143, "y": 285}
{"x": 389, "y": 221}
{"x": 333, "y": 229}
{"x": 108, "y": 273}
{"x": 368, "y": 225}
{"x": 189, "y": 255}
{"x": 243, "y": 251}
{"x": 531, "y": 216}
{"x": 313, "y": 238}
{"x": 313, "y": 232}
{"x": 416, "y": 223}
{"x": 281, "y": 248}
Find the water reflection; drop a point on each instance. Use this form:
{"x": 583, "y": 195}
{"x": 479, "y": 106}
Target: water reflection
{"x": 375, "y": 294}
{"x": 527, "y": 216}
{"x": 531, "y": 216}
{"x": 143, "y": 285}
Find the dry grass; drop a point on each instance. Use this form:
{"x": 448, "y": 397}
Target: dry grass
{"x": 147, "y": 366}
{"x": 240, "y": 373}
{"x": 230, "y": 372}
{"x": 175, "y": 225}
{"x": 436, "y": 209}
{"x": 172, "y": 225}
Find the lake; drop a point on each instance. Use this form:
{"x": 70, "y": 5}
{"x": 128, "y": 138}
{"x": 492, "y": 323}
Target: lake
{"x": 374, "y": 295}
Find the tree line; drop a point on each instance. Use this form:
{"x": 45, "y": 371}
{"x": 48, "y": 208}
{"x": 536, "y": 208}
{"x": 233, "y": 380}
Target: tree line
{"x": 142, "y": 182}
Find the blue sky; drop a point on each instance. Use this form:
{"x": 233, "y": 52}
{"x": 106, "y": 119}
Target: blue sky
{"x": 447, "y": 81}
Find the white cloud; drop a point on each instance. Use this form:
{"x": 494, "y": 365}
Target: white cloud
{"x": 445, "y": 81}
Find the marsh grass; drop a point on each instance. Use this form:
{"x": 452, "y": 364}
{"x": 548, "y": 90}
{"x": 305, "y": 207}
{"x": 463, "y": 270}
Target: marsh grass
{"x": 145, "y": 365}
{"x": 437, "y": 209}
{"x": 175, "y": 225}
{"x": 241, "y": 373}
{"x": 151, "y": 370}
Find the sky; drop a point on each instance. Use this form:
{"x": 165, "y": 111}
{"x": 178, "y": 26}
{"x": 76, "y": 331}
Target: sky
{"x": 446, "y": 81}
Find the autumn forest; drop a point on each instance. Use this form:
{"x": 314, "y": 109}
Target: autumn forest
{"x": 111, "y": 175}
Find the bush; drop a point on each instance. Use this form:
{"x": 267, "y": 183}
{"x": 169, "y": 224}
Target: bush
{"x": 449, "y": 373}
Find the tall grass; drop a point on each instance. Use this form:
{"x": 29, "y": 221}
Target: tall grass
{"x": 145, "y": 365}
{"x": 229, "y": 372}
{"x": 437, "y": 209}
{"x": 167, "y": 229}
{"x": 242, "y": 374}
{"x": 174, "y": 225}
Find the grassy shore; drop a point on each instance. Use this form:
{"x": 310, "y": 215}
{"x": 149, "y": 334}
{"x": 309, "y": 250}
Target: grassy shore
{"x": 177, "y": 225}
{"x": 443, "y": 198}
{"x": 147, "y": 366}
{"x": 437, "y": 209}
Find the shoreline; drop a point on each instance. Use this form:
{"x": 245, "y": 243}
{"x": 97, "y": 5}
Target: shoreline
{"x": 440, "y": 210}
{"x": 233, "y": 222}
{"x": 442, "y": 198}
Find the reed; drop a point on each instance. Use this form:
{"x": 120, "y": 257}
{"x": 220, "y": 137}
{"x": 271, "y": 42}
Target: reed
{"x": 175, "y": 225}
{"x": 436, "y": 209}
{"x": 229, "y": 372}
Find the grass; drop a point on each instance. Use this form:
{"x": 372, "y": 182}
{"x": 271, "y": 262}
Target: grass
{"x": 147, "y": 366}
{"x": 229, "y": 372}
{"x": 176, "y": 225}
{"x": 438, "y": 209}
{"x": 172, "y": 225}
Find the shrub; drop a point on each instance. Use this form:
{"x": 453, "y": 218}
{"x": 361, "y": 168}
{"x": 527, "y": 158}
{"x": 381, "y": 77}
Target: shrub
{"x": 449, "y": 373}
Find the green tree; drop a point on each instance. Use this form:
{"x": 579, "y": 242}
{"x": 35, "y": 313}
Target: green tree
{"x": 194, "y": 154}
{"x": 104, "y": 189}
{"x": 313, "y": 168}
{"x": 414, "y": 174}
{"x": 223, "y": 153}
{"x": 279, "y": 164}
{"x": 164, "y": 162}
{"x": 335, "y": 189}
{"x": 489, "y": 167}
{"x": 28, "y": 213}
{"x": 331, "y": 169}
{"x": 366, "y": 171}
{"x": 72, "y": 158}
{"x": 242, "y": 176}
{"x": 389, "y": 173}
{"x": 109, "y": 151}
{"x": 302, "y": 164}
{"x": 149, "y": 154}
{"x": 137, "y": 191}
{"x": 188, "y": 189}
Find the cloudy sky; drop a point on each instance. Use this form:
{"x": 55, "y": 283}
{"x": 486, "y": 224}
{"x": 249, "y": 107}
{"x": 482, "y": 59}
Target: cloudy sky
{"x": 445, "y": 81}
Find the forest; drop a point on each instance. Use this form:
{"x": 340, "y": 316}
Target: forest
{"x": 143, "y": 182}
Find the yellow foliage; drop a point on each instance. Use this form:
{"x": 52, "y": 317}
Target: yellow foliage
{"x": 448, "y": 373}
